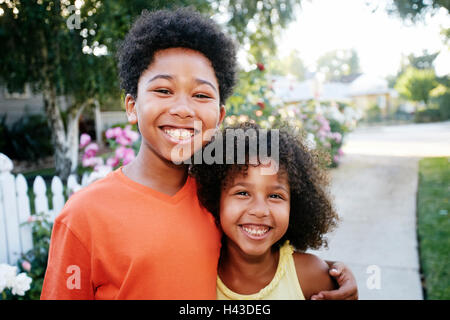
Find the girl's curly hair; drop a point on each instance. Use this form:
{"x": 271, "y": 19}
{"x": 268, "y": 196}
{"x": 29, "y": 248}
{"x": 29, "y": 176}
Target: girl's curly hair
{"x": 311, "y": 211}
{"x": 180, "y": 28}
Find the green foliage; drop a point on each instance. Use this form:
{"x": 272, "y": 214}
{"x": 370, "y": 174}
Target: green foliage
{"x": 434, "y": 226}
{"x": 415, "y": 10}
{"x": 38, "y": 256}
{"x": 290, "y": 65}
{"x": 424, "y": 61}
{"x": 338, "y": 63}
{"x": 29, "y": 138}
{"x": 416, "y": 85}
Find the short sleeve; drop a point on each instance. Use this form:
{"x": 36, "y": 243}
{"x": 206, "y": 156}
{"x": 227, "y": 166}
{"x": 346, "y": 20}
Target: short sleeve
{"x": 68, "y": 274}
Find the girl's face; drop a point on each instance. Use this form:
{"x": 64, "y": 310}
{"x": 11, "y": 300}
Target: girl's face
{"x": 254, "y": 210}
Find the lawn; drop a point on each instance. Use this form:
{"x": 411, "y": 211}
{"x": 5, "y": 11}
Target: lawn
{"x": 434, "y": 226}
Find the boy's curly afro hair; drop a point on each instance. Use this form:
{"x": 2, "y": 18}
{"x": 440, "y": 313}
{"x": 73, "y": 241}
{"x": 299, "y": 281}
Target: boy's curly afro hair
{"x": 180, "y": 28}
{"x": 311, "y": 211}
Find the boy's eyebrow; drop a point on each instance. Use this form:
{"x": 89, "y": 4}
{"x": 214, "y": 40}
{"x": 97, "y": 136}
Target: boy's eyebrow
{"x": 161, "y": 76}
{"x": 169, "y": 77}
{"x": 201, "y": 81}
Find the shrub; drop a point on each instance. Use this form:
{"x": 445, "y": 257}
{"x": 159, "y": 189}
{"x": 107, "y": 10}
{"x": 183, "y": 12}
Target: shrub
{"x": 29, "y": 138}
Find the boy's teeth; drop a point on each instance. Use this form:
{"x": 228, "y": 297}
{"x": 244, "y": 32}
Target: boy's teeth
{"x": 180, "y": 134}
{"x": 256, "y": 230}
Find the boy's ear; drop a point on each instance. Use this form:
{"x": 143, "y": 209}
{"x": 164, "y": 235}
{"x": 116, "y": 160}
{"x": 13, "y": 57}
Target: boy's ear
{"x": 222, "y": 114}
{"x": 130, "y": 106}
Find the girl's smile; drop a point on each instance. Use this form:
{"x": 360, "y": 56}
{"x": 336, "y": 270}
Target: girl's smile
{"x": 254, "y": 210}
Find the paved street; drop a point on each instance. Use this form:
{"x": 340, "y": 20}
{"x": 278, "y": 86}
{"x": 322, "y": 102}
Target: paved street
{"x": 375, "y": 195}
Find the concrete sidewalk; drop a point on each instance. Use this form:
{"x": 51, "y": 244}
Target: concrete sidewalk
{"x": 375, "y": 190}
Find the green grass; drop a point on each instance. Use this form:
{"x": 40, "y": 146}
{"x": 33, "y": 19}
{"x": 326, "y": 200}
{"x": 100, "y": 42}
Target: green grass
{"x": 434, "y": 226}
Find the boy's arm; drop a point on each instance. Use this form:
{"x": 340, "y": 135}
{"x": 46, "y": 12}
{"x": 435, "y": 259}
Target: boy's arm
{"x": 312, "y": 273}
{"x": 68, "y": 271}
{"x": 346, "y": 281}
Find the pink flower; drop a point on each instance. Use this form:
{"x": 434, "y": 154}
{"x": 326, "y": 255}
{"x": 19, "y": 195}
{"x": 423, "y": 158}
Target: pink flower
{"x": 129, "y": 156}
{"x": 109, "y": 134}
{"x": 340, "y": 152}
{"x": 31, "y": 219}
{"x": 117, "y": 131}
{"x": 91, "y": 150}
{"x": 120, "y": 152}
{"x": 85, "y": 139}
{"x": 130, "y": 134}
{"x": 123, "y": 140}
{"x": 26, "y": 266}
{"x": 336, "y": 158}
{"x": 337, "y": 136}
{"x": 92, "y": 161}
{"x": 112, "y": 162}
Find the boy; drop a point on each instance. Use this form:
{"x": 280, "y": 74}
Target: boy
{"x": 140, "y": 233}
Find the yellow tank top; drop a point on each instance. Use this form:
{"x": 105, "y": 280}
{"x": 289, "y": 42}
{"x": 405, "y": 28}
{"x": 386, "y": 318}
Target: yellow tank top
{"x": 284, "y": 285}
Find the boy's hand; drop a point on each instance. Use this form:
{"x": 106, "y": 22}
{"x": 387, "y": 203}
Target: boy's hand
{"x": 347, "y": 284}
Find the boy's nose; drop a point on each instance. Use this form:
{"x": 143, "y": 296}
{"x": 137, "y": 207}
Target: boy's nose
{"x": 182, "y": 109}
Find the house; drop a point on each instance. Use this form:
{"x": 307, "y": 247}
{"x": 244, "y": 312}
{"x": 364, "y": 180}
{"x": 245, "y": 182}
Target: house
{"x": 17, "y": 105}
{"x": 361, "y": 90}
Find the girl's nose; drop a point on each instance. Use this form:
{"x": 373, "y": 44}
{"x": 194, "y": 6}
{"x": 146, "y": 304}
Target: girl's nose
{"x": 181, "y": 108}
{"x": 259, "y": 209}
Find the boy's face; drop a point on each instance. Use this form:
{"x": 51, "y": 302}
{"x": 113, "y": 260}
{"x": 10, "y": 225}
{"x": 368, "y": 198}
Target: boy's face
{"x": 177, "y": 101}
{"x": 254, "y": 211}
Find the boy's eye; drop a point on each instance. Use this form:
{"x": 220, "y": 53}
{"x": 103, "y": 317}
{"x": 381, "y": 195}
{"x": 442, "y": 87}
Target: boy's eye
{"x": 201, "y": 96}
{"x": 163, "y": 91}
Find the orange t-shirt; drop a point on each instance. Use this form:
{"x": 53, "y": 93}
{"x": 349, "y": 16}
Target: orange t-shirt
{"x": 118, "y": 239}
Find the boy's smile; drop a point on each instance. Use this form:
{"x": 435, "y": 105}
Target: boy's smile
{"x": 177, "y": 100}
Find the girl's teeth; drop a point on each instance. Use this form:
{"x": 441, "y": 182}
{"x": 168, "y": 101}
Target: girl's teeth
{"x": 256, "y": 232}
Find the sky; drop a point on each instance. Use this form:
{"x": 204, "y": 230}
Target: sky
{"x": 379, "y": 39}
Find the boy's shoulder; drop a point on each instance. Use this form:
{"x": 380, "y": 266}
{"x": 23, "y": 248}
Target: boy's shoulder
{"x": 312, "y": 273}
{"x": 99, "y": 194}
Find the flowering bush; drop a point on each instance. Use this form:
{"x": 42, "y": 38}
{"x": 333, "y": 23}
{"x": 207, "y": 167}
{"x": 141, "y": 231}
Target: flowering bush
{"x": 124, "y": 143}
{"x": 11, "y": 283}
{"x": 34, "y": 262}
{"x": 324, "y": 124}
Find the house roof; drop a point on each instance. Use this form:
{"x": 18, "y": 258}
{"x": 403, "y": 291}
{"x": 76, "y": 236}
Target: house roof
{"x": 291, "y": 90}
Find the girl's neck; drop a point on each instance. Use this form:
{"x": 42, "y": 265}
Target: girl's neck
{"x": 245, "y": 274}
{"x": 153, "y": 171}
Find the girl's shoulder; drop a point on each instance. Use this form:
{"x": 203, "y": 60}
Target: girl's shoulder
{"x": 312, "y": 273}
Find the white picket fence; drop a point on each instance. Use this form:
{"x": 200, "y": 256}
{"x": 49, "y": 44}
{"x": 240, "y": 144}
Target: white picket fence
{"x": 15, "y": 236}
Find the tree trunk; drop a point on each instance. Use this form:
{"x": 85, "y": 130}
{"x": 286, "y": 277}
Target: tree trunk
{"x": 73, "y": 133}
{"x": 62, "y": 160}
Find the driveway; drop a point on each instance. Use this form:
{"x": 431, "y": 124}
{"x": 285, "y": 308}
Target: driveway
{"x": 374, "y": 192}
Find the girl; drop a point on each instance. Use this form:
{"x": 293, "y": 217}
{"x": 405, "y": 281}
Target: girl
{"x": 269, "y": 216}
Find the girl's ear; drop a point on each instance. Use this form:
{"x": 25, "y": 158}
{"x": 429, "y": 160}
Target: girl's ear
{"x": 130, "y": 106}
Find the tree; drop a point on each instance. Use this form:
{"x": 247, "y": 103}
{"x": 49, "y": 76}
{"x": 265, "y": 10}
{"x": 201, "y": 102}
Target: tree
{"x": 67, "y": 52}
{"x": 416, "y": 85}
{"x": 415, "y": 10}
{"x": 338, "y": 63}
{"x": 290, "y": 65}
{"x": 424, "y": 61}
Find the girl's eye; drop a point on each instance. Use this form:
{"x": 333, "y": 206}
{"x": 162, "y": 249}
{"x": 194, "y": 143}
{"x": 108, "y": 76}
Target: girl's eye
{"x": 276, "y": 196}
{"x": 241, "y": 193}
